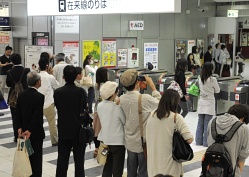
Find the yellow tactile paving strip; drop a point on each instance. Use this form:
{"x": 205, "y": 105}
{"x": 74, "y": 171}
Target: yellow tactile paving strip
{"x": 197, "y": 157}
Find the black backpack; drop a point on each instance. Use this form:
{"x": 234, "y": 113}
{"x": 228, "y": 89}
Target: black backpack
{"x": 217, "y": 161}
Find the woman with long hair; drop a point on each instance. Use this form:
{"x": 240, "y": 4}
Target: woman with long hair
{"x": 181, "y": 79}
{"x": 197, "y": 59}
{"x": 89, "y": 69}
{"x": 159, "y": 136}
{"x": 101, "y": 78}
{"x": 191, "y": 63}
{"x": 206, "y": 104}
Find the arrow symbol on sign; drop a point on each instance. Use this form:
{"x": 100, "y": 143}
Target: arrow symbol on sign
{"x": 229, "y": 14}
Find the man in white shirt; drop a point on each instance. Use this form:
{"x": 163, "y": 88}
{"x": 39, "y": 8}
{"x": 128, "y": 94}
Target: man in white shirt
{"x": 136, "y": 162}
{"x": 59, "y": 67}
{"x": 49, "y": 83}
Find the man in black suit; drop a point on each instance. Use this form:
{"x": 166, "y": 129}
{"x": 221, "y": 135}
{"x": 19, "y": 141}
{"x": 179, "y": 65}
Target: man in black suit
{"x": 208, "y": 55}
{"x": 14, "y": 74}
{"x": 29, "y": 119}
{"x": 69, "y": 101}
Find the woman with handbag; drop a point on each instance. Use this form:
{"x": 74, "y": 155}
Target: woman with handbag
{"x": 112, "y": 119}
{"x": 181, "y": 79}
{"x": 159, "y": 136}
{"x": 208, "y": 85}
{"x": 101, "y": 78}
{"x": 89, "y": 69}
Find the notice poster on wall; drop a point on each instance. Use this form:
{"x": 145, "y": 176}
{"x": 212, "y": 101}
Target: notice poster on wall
{"x": 180, "y": 48}
{"x": 244, "y": 39}
{"x": 133, "y": 57}
{"x": 67, "y": 24}
{"x": 200, "y": 45}
{"x": 151, "y": 55}
{"x": 191, "y": 43}
{"x": 71, "y": 51}
{"x": 32, "y": 55}
{"x": 91, "y": 47}
{"x": 109, "y": 52}
{"x": 122, "y": 57}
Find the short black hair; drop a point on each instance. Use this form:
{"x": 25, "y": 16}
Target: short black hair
{"x": 8, "y": 48}
{"x": 210, "y": 47}
{"x": 43, "y": 63}
{"x": 223, "y": 47}
{"x": 78, "y": 70}
{"x": 131, "y": 87}
{"x": 44, "y": 55}
{"x": 69, "y": 74}
{"x": 16, "y": 58}
{"x": 240, "y": 111}
{"x": 216, "y": 45}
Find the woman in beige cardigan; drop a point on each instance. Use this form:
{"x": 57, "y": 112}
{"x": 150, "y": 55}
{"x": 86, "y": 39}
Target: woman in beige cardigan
{"x": 159, "y": 134}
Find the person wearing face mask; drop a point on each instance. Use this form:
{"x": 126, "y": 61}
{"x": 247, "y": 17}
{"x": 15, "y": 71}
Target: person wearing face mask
{"x": 5, "y": 64}
{"x": 90, "y": 68}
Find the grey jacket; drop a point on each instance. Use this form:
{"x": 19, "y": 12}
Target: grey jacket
{"x": 238, "y": 146}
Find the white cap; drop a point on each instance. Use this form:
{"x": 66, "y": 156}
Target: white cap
{"x": 108, "y": 89}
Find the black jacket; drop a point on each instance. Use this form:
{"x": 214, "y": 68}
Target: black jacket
{"x": 29, "y": 113}
{"x": 69, "y": 100}
{"x": 207, "y": 57}
{"x": 3, "y": 60}
{"x": 16, "y": 75}
{"x": 181, "y": 79}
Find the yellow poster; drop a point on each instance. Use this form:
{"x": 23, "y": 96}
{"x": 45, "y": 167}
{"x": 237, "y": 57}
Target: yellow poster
{"x": 109, "y": 53}
{"x": 91, "y": 48}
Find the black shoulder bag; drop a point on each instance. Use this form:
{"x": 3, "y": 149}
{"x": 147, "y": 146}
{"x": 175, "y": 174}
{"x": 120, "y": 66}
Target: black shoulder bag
{"x": 181, "y": 151}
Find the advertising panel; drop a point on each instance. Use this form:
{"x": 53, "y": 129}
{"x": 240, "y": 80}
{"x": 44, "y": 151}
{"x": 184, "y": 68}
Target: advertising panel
{"x": 71, "y": 51}
{"x": 109, "y": 52}
{"x": 91, "y": 47}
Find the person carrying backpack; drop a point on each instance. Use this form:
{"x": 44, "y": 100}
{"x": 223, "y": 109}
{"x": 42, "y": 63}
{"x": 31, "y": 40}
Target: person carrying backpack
{"x": 17, "y": 81}
{"x": 233, "y": 147}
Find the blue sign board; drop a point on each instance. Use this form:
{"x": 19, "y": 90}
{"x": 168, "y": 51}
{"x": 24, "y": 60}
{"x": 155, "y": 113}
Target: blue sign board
{"x": 4, "y": 21}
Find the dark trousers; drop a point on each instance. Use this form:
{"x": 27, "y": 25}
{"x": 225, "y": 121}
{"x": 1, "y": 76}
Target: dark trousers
{"x": 64, "y": 149}
{"x": 240, "y": 67}
{"x": 36, "y": 158}
{"x": 115, "y": 162}
{"x": 90, "y": 99}
{"x": 217, "y": 68}
{"x": 13, "y": 115}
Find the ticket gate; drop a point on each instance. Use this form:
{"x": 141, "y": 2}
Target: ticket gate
{"x": 154, "y": 75}
{"x": 227, "y": 93}
{"x": 166, "y": 81}
{"x": 241, "y": 93}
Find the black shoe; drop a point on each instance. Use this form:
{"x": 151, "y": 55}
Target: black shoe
{"x": 1, "y": 114}
{"x": 55, "y": 144}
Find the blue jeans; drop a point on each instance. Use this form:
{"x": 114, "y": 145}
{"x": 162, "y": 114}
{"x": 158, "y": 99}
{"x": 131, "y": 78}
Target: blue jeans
{"x": 136, "y": 165}
{"x": 201, "y": 131}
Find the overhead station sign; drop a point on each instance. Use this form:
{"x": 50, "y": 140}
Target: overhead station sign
{"x": 78, "y": 7}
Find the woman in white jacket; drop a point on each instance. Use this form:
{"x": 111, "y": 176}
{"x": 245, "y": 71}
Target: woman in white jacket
{"x": 206, "y": 104}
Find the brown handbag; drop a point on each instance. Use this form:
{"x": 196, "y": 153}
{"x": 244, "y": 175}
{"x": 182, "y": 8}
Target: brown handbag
{"x": 140, "y": 112}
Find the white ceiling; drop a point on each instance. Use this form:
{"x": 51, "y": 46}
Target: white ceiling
{"x": 229, "y": 0}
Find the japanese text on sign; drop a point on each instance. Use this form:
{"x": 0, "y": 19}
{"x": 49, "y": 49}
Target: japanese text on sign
{"x": 86, "y": 4}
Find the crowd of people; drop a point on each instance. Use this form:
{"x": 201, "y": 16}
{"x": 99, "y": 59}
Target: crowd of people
{"x": 128, "y": 123}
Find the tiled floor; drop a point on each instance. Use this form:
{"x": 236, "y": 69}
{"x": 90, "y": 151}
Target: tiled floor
{"x": 7, "y": 149}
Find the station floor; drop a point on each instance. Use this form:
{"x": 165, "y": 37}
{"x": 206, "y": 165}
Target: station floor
{"x": 92, "y": 169}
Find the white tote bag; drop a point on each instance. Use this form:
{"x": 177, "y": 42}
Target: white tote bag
{"x": 21, "y": 163}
